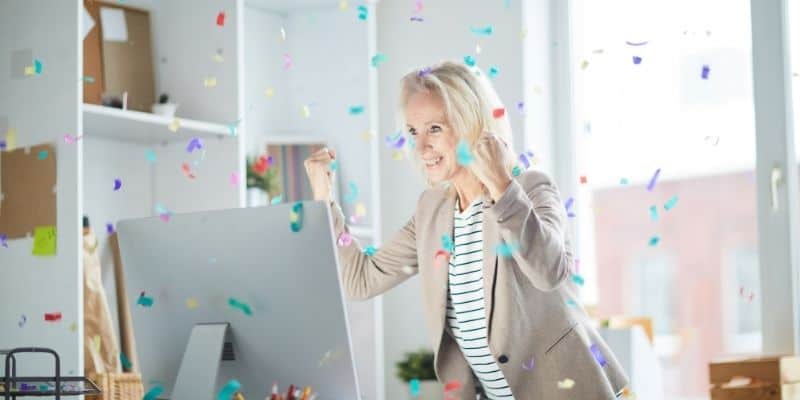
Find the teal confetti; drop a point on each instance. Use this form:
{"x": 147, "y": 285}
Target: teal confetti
{"x": 516, "y": 171}
{"x": 578, "y": 279}
{"x": 229, "y": 390}
{"x": 334, "y": 165}
{"x": 153, "y": 393}
{"x": 43, "y": 154}
{"x": 125, "y": 362}
{"x": 654, "y": 241}
{"x": 37, "y": 67}
{"x": 243, "y": 307}
{"x": 414, "y": 387}
{"x": 370, "y": 251}
{"x": 493, "y": 71}
{"x": 571, "y": 303}
{"x": 447, "y": 244}
{"x": 276, "y": 200}
{"x": 150, "y": 155}
{"x": 378, "y": 59}
{"x": 465, "y": 157}
{"x": 363, "y": 12}
{"x": 353, "y": 195}
{"x": 296, "y": 217}
{"x": 623, "y": 181}
{"x": 505, "y": 249}
{"x": 671, "y": 203}
{"x": 469, "y": 60}
{"x": 482, "y": 31}
{"x": 356, "y": 110}
{"x": 654, "y": 213}
{"x": 145, "y": 301}
{"x": 88, "y": 79}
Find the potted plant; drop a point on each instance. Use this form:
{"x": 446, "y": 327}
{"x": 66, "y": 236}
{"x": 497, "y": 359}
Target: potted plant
{"x": 419, "y": 365}
{"x": 164, "y": 107}
{"x": 262, "y": 181}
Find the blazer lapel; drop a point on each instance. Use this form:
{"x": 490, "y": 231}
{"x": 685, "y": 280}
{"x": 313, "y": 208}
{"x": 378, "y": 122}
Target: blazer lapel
{"x": 443, "y": 225}
{"x": 489, "y": 264}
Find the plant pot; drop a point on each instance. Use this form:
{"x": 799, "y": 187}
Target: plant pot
{"x": 428, "y": 390}
{"x": 165, "y": 109}
{"x": 256, "y": 197}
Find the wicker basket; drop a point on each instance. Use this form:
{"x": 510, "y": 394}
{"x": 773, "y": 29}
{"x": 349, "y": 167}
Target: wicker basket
{"x": 119, "y": 386}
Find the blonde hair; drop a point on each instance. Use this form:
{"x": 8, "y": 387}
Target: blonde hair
{"x": 469, "y": 100}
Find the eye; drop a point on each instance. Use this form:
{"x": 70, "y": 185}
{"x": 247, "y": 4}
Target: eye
{"x": 436, "y": 128}
{"x": 412, "y": 132}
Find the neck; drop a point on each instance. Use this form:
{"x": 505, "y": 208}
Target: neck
{"x": 468, "y": 188}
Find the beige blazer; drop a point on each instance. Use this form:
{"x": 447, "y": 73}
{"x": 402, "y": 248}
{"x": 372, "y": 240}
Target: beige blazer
{"x": 530, "y": 297}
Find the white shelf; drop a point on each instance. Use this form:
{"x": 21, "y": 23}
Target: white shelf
{"x": 141, "y": 127}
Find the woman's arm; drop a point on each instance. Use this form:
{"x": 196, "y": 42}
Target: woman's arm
{"x": 368, "y": 276}
{"x": 531, "y": 218}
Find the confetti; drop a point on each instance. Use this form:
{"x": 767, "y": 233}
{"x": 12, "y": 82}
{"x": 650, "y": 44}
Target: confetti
{"x": 452, "y": 386}
{"x": 37, "y": 67}
{"x": 283, "y": 33}
{"x": 163, "y": 212}
{"x": 477, "y": 49}
{"x": 744, "y": 295}
{"x": 566, "y": 384}
{"x": 469, "y": 60}
{"x": 287, "y": 61}
{"x": 209, "y": 82}
{"x": 498, "y": 112}
{"x": 356, "y": 110}
{"x": 414, "y": 387}
{"x": 416, "y": 19}
{"x": 652, "y": 183}
{"x": 343, "y": 4}
{"x": 275, "y": 200}
{"x": 528, "y": 365}
{"x": 296, "y": 217}
{"x": 441, "y": 253}
{"x": 568, "y": 205}
{"x": 598, "y": 355}
{"x": 234, "y": 180}
{"x": 370, "y": 250}
{"x": 52, "y": 317}
{"x": 493, "y": 71}
{"x": 126, "y": 364}
{"x": 329, "y": 356}
{"x": 408, "y": 270}
{"x": 73, "y": 327}
{"x": 516, "y": 171}
{"x": 187, "y": 171}
{"x": 571, "y": 303}
{"x": 229, "y": 390}
{"x": 363, "y": 12}
{"x": 88, "y": 79}
{"x": 482, "y": 31}
{"x": 424, "y": 71}
{"x": 145, "y": 301}
{"x": 397, "y": 141}
{"x": 505, "y": 249}
{"x": 221, "y": 18}
{"x": 150, "y": 156}
{"x": 711, "y": 140}
{"x": 397, "y": 155}
{"x": 361, "y": 210}
{"x": 69, "y": 139}
{"x": 22, "y": 320}
{"x": 521, "y": 106}
{"x": 96, "y": 342}
{"x": 4, "y": 240}
{"x": 418, "y": 6}
{"x": 43, "y": 154}
{"x": 269, "y": 92}
{"x": 584, "y": 65}
{"x": 109, "y": 228}
{"x": 465, "y": 157}
{"x": 583, "y": 179}
{"x": 353, "y": 195}
{"x": 526, "y": 158}
{"x": 153, "y": 393}
{"x": 241, "y": 306}
{"x": 637, "y": 60}
{"x": 623, "y": 181}
{"x": 194, "y": 144}
{"x": 705, "y": 72}
{"x": 29, "y": 70}
{"x": 378, "y": 59}
{"x": 262, "y": 163}
{"x": 653, "y": 213}
{"x": 344, "y": 239}
{"x": 654, "y": 241}
{"x": 578, "y": 279}
{"x": 174, "y": 125}
{"x": 447, "y": 244}
{"x": 636, "y": 43}
{"x": 117, "y": 184}
{"x": 306, "y": 111}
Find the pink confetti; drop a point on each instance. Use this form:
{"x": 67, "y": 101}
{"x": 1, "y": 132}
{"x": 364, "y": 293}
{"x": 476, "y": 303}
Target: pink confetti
{"x": 69, "y": 139}
{"x": 234, "y": 179}
{"x": 287, "y": 61}
{"x": 344, "y": 239}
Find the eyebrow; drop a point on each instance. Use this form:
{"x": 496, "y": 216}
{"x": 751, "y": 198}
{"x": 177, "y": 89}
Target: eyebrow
{"x": 428, "y": 123}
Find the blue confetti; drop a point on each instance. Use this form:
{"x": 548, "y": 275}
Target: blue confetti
{"x": 145, "y": 301}
{"x": 37, "y": 67}
{"x": 623, "y": 181}
{"x": 653, "y": 213}
{"x": 241, "y": 306}
{"x": 568, "y": 206}
{"x": 578, "y": 279}
{"x": 276, "y": 200}
{"x": 598, "y": 355}
{"x": 363, "y": 12}
{"x": 493, "y": 71}
{"x": 334, "y": 165}
{"x": 150, "y": 156}
{"x": 356, "y": 110}
{"x": 465, "y": 157}
{"x": 447, "y": 244}
{"x": 654, "y": 241}
{"x": 704, "y": 73}
{"x": 482, "y": 31}
{"x": 229, "y": 390}
{"x": 378, "y": 59}
{"x": 353, "y": 195}
{"x": 296, "y": 217}
{"x": 370, "y": 251}
{"x": 469, "y": 60}
{"x": 516, "y": 171}
{"x": 505, "y": 249}
{"x": 153, "y": 393}
{"x": 653, "y": 180}
{"x": 414, "y": 387}
{"x": 637, "y": 60}
{"x": 671, "y": 203}
{"x": 43, "y": 154}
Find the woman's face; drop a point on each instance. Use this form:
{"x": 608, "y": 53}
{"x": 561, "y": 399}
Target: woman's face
{"x": 435, "y": 140}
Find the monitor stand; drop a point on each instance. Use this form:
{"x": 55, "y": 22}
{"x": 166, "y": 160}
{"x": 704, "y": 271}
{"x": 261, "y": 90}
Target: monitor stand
{"x": 197, "y": 375}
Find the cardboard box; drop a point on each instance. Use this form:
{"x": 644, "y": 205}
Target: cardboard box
{"x": 755, "y": 378}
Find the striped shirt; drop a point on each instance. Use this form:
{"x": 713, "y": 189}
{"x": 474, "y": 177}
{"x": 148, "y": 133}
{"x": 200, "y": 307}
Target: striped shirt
{"x": 466, "y": 316}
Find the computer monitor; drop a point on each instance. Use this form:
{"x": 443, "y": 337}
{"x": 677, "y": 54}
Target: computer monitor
{"x": 217, "y": 267}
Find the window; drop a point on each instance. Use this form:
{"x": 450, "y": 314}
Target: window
{"x": 665, "y": 138}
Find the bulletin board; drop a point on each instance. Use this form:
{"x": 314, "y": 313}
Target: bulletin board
{"x": 27, "y": 190}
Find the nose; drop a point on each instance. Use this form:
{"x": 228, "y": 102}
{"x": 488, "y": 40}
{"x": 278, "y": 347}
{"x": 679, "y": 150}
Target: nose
{"x": 422, "y": 143}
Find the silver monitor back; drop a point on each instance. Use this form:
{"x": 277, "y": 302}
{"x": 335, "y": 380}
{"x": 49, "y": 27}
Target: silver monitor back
{"x": 194, "y": 264}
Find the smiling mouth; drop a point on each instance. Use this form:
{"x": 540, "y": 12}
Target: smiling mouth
{"x": 433, "y": 162}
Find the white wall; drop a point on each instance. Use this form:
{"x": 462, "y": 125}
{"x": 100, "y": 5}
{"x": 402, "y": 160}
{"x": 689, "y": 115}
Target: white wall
{"x": 42, "y": 109}
{"x": 444, "y": 34}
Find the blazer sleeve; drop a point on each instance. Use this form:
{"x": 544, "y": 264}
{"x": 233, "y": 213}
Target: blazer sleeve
{"x": 367, "y": 276}
{"x": 531, "y": 218}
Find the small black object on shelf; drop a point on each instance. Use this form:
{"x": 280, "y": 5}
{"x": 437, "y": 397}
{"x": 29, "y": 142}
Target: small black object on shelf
{"x": 13, "y": 386}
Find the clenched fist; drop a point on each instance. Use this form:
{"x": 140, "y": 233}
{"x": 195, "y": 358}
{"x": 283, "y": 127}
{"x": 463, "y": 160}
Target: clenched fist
{"x": 320, "y": 176}
{"x": 490, "y": 158}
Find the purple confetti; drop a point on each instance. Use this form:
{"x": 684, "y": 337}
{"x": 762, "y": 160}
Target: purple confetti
{"x": 524, "y": 160}
{"x": 528, "y": 365}
{"x": 109, "y": 228}
{"x": 417, "y": 19}
{"x": 424, "y": 71}
{"x": 2, "y": 144}
{"x": 521, "y": 106}
{"x": 637, "y": 60}
{"x": 705, "y": 72}
{"x": 636, "y": 43}
{"x": 652, "y": 183}
{"x": 598, "y": 355}
{"x": 194, "y": 144}
{"x": 117, "y": 184}
{"x": 3, "y": 238}
{"x": 568, "y": 205}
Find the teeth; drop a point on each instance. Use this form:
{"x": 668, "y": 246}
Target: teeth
{"x": 433, "y": 162}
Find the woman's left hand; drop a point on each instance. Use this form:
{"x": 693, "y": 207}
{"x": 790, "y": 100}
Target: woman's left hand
{"x": 490, "y": 157}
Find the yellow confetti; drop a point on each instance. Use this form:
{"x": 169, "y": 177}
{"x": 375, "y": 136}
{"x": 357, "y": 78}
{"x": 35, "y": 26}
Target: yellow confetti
{"x": 174, "y": 125}
{"x": 566, "y": 384}
{"x": 367, "y": 136}
{"x": 361, "y": 210}
{"x": 210, "y": 82}
{"x": 477, "y": 49}
{"x": 191, "y": 303}
{"x": 343, "y": 5}
{"x": 11, "y": 139}
{"x": 293, "y": 216}
{"x": 283, "y": 33}
{"x": 218, "y": 58}
{"x": 96, "y": 342}
{"x": 73, "y": 327}
{"x": 584, "y": 64}
{"x": 306, "y": 111}
{"x": 398, "y": 155}
{"x": 30, "y": 71}
{"x": 269, "y": 92}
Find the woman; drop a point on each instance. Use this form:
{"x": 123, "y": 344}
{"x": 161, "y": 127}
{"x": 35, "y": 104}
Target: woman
{"x": 491, "y": 249}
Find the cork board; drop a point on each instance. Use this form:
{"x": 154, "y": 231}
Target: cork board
{"x": 27, "y": 190}
{"x": 93, "y": 58}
